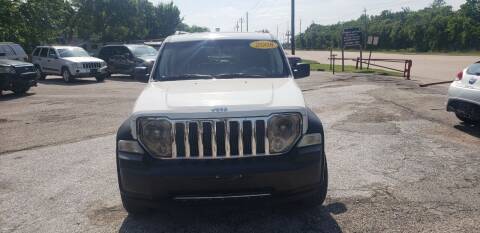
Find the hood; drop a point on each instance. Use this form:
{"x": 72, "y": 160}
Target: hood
{"x": 148, "y": 58}
{"x": 9, "y": 62}
{"x": 207, "y": 95}
{"x": 82, "y": 59}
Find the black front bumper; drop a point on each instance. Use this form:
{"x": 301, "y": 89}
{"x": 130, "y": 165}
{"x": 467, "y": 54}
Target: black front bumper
{"x": 7, "y": 81}
{"x": 287, "y": 176}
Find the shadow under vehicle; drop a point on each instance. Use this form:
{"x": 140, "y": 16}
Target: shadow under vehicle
{"x": 17, "y": 76}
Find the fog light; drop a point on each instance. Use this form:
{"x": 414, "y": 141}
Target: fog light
{"x": 311, "y": 140}
{"x": 130, "y": 147}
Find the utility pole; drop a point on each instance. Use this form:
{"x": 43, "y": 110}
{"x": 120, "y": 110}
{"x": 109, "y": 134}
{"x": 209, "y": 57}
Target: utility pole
{"x": 300, "y": 26}
{"x": 237, "y": 27}
{"x": 277, "y": 33}
{"x": 247, "y": 21}
{"x": 366, "y": 27}
{"x": 241, "y": 24}
{"x": 292, "y": 33}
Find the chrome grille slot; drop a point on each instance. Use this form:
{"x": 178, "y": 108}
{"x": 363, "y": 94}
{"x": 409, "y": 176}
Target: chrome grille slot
{"x": 219, "y": 138}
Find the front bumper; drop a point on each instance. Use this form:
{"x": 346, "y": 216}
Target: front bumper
{"x": 287, "y": 176}
{"x": 8, "y": 80}
{"x": 82, "y": 73}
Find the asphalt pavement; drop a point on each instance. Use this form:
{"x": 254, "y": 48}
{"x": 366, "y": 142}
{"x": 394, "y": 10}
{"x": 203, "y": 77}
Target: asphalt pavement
{"x": 398, "y": 162}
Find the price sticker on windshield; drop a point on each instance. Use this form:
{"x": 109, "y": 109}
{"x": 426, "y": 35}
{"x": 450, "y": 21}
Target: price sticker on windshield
{"x": 264, "y": 44}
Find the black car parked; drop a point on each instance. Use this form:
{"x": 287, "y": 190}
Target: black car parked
{"x": 123, "y": 59}
{"x": 17, "y": 76}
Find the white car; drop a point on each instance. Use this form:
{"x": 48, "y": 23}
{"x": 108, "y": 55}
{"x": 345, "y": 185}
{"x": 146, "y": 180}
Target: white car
{"x": 69, "y": 62}
{"x": 222, "y": 118}
{"x": 464, "y": 95}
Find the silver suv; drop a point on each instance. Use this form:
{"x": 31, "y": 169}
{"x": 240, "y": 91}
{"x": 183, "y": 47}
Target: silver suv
{"x": 69, "y": 62}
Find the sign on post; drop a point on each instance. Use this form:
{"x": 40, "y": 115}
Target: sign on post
{"x": 373, "y": 40}
{"x": 351, "y": 37}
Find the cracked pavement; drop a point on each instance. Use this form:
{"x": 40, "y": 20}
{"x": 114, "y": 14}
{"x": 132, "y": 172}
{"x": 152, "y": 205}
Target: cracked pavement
{"x": 398, "y": 162}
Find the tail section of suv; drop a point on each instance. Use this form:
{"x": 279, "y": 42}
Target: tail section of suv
{"x": 69, "y": 62}
{"x": 125, "y": 58}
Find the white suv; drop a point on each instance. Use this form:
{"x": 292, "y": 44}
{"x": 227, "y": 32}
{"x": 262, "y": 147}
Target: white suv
{"x": 69, "y": 62}
{"x": 221, "y": 119}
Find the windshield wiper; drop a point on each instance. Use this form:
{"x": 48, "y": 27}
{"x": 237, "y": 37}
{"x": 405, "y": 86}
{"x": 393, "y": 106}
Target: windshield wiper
{"x": 240, "y": 75}
{"x": 186, "y": 77}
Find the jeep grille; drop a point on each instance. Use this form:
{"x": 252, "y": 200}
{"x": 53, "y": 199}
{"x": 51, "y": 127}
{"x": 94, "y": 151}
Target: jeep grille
{"x": 220, "y": 138}
{"x": 92, "y": 65}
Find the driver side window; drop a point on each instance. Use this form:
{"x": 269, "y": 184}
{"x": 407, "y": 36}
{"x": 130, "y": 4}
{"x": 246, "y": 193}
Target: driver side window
{"x": 52, "y": 53}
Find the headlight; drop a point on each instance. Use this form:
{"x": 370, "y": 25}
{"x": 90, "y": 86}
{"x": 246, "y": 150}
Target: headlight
{"x": 156, "y": 136}
{"x": 283, "y": 131}
{"x": 7, "y": 70}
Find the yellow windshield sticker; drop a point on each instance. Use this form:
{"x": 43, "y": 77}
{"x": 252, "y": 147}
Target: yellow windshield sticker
{"x": 264, "y": 44}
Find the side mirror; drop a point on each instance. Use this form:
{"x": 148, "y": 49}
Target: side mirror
{"x": 3, "y": 54}
{"x": 141, "y": 74}
{"x": 301, "y": 70}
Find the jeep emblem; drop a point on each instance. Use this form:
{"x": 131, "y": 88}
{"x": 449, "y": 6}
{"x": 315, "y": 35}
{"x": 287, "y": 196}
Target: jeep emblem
{"x": 222, "y": 109}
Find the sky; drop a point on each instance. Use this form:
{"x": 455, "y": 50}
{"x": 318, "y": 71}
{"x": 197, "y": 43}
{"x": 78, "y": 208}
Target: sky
{"x": 268, "y": 14}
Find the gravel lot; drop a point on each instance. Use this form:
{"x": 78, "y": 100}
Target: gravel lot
{"x": 398, "y": 162}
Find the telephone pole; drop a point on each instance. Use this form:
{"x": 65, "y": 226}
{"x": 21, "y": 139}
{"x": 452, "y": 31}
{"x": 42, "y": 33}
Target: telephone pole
{"x": 366, "y": 27}
{"x": 247, "y": 21}
{"x": 241, "y": 24}
{"x": 292, "y": 33}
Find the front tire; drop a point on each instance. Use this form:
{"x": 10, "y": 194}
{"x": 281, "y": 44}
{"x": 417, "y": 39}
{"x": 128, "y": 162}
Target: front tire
{"x": 67, "y": 77}
{"x": 465, "y": 118}
{"x": 100, "y": 78}
{"x": 20, "y": 89}
{"x": 43, "y": 76}
{"x": 133, "y": 207}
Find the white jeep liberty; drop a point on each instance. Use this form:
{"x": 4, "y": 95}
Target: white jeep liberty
{"x": 222, "y": 118}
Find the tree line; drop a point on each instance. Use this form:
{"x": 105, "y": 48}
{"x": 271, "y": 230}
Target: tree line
{"x": 435, "y": 28}
{"x": 34, "y": 22}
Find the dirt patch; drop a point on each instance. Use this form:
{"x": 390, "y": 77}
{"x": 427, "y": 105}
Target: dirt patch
{"x": 377, "y": 114}
{"x": 106, "y": 215}
{"x": 369, "y": 128}
{"x": 55, "y": 118}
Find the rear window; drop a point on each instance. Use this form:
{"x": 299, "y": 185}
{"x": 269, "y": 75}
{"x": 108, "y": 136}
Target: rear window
{"x": 221, "y": 58}
{"x": 474, "y": 69}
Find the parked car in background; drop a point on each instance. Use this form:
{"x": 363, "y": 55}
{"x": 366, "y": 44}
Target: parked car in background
{"x": 124, "y": 58}
{"x": 222, "y": 118}
{"x": 68, "y": 61}
{"x": 12, "y": 51}
{"x": 464, "y": 95}
{"x": 155, "y": 44}
{"x": 17, "y": 76}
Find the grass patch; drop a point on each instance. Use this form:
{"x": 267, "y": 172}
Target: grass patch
{"x": 315, "y": 66}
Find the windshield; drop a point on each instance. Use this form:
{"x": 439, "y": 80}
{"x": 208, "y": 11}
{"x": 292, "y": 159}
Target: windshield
{"x": 221, "y": 59}
{"x": 143, "y": 50}
{"x": 73, "y": 52}
{"x": 474, "y": 69}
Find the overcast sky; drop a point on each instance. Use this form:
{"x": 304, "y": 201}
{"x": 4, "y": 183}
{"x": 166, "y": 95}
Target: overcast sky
{"x": 267, "y": 14}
